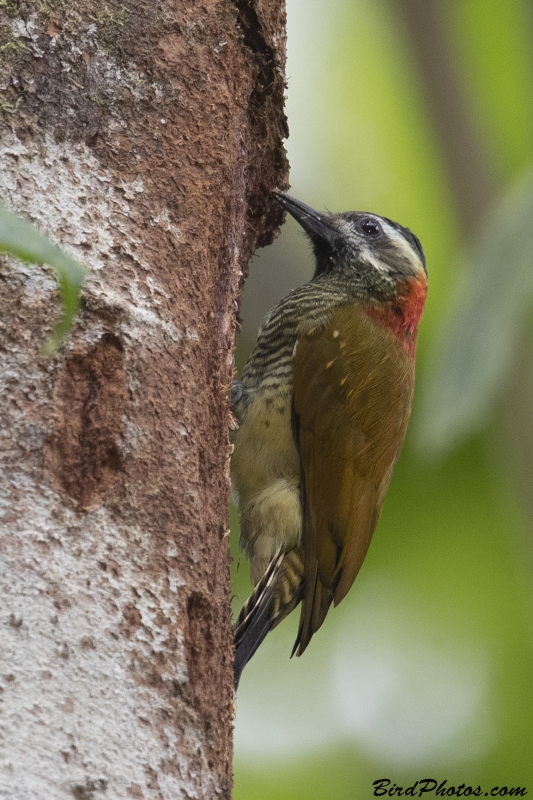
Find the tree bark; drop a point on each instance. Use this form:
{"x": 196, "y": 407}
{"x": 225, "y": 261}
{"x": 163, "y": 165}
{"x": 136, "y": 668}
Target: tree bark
{"x": 145, "y": 138}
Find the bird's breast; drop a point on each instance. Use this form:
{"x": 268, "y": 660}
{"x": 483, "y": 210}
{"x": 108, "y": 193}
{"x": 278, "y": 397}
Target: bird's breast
{"x": 264, "y": 448}
{"x": 265, "y": 476}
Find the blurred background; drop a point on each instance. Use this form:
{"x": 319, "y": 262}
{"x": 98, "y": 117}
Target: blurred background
{"x": 422, "y": 111}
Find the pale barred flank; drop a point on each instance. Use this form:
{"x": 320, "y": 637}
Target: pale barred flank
{"x": 289, "y": 586}
{"x": 302, "y": 310}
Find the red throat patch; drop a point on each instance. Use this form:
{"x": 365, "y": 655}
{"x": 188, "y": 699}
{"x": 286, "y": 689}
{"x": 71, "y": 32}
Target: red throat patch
{"x": 402, "y": 315}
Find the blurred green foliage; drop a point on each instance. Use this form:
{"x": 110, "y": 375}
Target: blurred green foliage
{"x": 22, "y": 240}
{"x": 493, "y": 47}
{"x": 482, "y": 333}
{"x": 425, "y": 669}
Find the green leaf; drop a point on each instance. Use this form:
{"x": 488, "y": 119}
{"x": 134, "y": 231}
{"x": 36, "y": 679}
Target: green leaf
{"x": 475, "y": 353}
{"x": 21, "y": 239}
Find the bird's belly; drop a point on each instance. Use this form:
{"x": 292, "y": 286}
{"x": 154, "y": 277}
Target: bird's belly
{"x": 265, "y": 475}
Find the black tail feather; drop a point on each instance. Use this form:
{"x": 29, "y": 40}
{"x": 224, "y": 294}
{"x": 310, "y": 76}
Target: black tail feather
{"x": 255, "y": 633}
{"x": 255, "y": 620}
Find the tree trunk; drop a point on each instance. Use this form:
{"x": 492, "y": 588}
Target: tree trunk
{"x": 145, "y": 137}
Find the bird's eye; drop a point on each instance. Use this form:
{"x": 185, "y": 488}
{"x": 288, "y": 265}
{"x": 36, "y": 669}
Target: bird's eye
{"x": 370, "y": 227}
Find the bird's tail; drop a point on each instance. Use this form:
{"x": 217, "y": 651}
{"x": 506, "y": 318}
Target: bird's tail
{"x": 255, "y": 619}
{"x": 277, "y": 593}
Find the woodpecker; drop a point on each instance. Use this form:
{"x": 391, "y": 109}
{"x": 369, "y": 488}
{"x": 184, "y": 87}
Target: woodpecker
{"x": 322, "y": 408}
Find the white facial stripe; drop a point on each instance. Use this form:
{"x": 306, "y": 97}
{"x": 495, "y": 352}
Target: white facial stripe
{"x": 369, "y": 258}
{"x": 403, "y": 245}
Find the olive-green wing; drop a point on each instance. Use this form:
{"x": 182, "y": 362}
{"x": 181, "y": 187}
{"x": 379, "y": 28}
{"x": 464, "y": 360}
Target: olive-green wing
{"x": 352, "y": 395}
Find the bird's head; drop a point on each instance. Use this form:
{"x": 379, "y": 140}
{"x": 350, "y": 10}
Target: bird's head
{"x": 382, "y": 261}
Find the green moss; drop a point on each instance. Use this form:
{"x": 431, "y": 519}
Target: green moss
{"x": 12, "y": 51}
{"x": 50, "y": 7}
{"x": 7, "y": 108}
{"x": 10, "y": 46}
{"x": 11, "y": 7}
{"x": 110, "y": 16}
